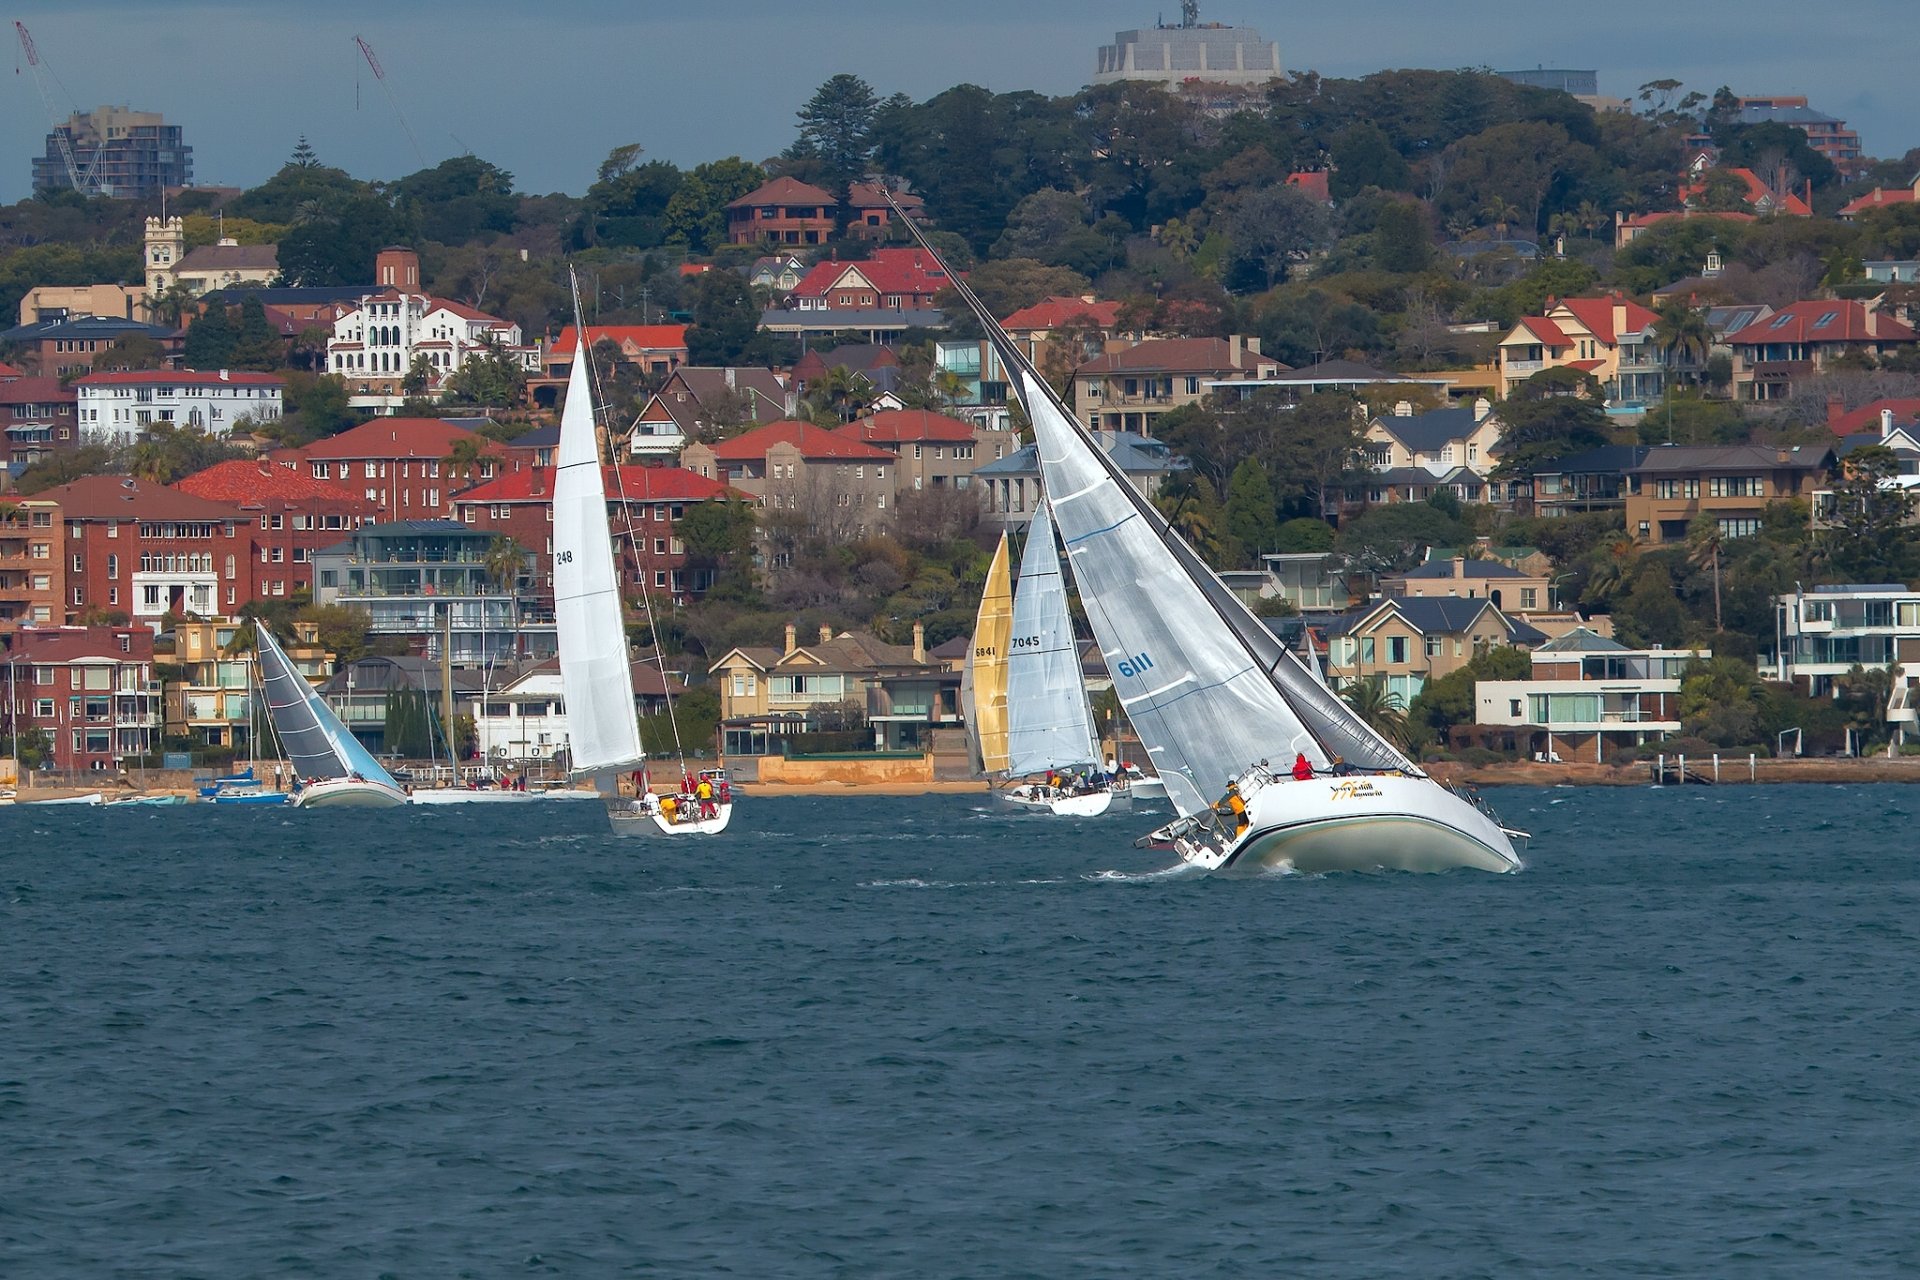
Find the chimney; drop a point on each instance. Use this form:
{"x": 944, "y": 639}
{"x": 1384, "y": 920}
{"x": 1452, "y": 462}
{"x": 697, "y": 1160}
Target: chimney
{"x": 920, "y": 633}
{"x": 1403, "y": 409}
{"x": 826, "y": 633}
{"x": 729, "y": 376}
{"x": 1253, "y": 344}
{"x": 1481, "y": 408}
{"x": 1459, "y": 568}
{"x": 1235, "y": 344}
{"x": 793, "y": 638}
{"x": 1836, "y": 409}
{"x": 1886, "y": 423}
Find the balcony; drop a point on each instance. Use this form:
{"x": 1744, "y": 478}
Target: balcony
{"x": 1522, "y": 368}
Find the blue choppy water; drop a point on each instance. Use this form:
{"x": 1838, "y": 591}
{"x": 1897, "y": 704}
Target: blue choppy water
{"x": 918, "y": 1038}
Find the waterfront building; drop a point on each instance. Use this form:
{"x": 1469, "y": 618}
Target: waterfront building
{"x": 118, "y": 408}
{"x": 32, "y": 584}
{"x": 1407, "y": 641}
{"x": 91, "y": 690}
{"x": 1586, "y": 693}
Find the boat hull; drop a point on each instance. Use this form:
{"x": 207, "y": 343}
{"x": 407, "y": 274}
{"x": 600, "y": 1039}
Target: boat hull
{"x": 1089, "y": 804}
{"x": 460, "y": 795}
{"x": 639, "y": 822}
{"x": 347, "y": 793}
{"x": 1363, "y": 823}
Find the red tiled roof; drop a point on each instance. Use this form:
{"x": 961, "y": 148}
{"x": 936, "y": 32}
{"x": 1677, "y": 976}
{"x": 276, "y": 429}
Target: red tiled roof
{"x": 179, "y": 377}
{"x": 111, "y": 497}
{"x": 1585, "y": 366}
{"x": 638, "y": 484}
{"x": 466, "y": 312}
{"x": 1867, "y": 417}
{"x": 1545, "y": 330}
{"x": 396, "y": 438}
{"x": 648, "y": 337}
{"x": 65, "y": 644}
{"x": 897, "y": 426}
{"x": 812, "y": 441}
{"x": 1312, "y": 184}
{"x": 1810, "y": 322}
{"x": 783, "y": 191}
{"x": 1879, "y": 198}
{"x": 1174, "y": 355}
{"x": 1056, "y": 312}
{"x": 1756, "y": 191}
{"x": 36, "y": 391}
{"x": 901, "y": 270}
{"x": 871, "y": 195}
{"x": 1596, "y": 315}
{"x": 695, "y": 268}
{"x": 245, "y": 482}
{"x": 8, "y": 371}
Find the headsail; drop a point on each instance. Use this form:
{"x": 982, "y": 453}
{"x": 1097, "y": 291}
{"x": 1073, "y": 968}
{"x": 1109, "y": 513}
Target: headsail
{"x": 985, "y": 675}
{"x": 317, "y": 744}
{"x": 1208, "y": 688}
{"x": 602, "y": 730}
{"x": 1049, "y": 724}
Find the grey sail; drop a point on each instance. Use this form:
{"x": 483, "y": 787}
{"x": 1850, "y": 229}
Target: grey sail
{"x": 1049, "y": 722}
{"x": 316, "y": 743}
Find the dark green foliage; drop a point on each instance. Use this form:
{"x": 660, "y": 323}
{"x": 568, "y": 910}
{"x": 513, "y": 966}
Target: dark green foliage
{"x": 209, "y": 341}
{"x": 336, "y": 245}
{"x": 1363, "y": 156}
{"x": 1249, "y": 512}
{"x": 458, "y": 200}
{"x": 1449, "y": 701}
{"x": 1396, "y": 536}
{"x": 725, "y": 320}
{"x": 1304, "y": 534}
{"x": 255, "y": 345}
{"x": 836, "y": 130}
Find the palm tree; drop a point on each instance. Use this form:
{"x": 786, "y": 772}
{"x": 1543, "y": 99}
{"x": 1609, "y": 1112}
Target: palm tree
{"x": 466, "y": 456}
{"x": 1189, "y": 514}
{"x": 1681, "y": 336}
{"x": 1502, "y": 213}
{"x": 1591, "y": 217}
{"x": 1704, "y": 540}
{"x": 504, "y": 562}
{"x": 842, "y": 393}
{"x": 169, "y": 306}
{"x": 1373, "y": 702}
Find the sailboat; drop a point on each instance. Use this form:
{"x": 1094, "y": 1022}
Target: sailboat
{"x": 1214, "y": 696}
{"x": 1049, "y": 719}
{"x": 330, "y": 767}
{"x": 595, "y": 675}
{"x": 983, "y": 677}
{"x": 454, "y": 792}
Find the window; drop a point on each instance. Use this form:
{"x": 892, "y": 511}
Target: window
{"x": 79, "y": 565}
{"x": 1739, "y": 527}
{"x": 659, "y": 577}
{"x": 1734, "y": 486}
{"x": 1529, "y": 597}
{"x": 1396, "y": 649}
{"x": 113, "y": 595}
{"x": 1366, "y": 649}
{"x": 113, "y": 566}
{"x": 1513, "y": 707}
{"x": 1435, "y": 646}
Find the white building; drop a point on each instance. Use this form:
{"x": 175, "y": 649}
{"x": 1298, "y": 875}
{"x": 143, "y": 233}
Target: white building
{"x": 375, "y": 344}
{"x": 1826, "y": 631}
{"x": 526, "y": 719}
{"x": 116, "y": 408}
{"x": 1587, "y": 692}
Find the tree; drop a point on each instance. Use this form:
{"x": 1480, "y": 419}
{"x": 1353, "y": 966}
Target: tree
{"x": 465, "y": 457}
{"x": 1681, "y": 335}
{"x": 836, "y": 129}
{"x": 1537, "y": 432}
{"x": 718, "y": 535}
{"x": 1720, "y": 701}
{"x": 487, "y": 377}
{"x": 506, "y": 559}
{"x": 1449, "y": 700}
{"x": 303, "y": 155}
{"x": 459, "y": 199}
{"x": 1866, "y": 536}
{"x": 1379, "y": 706}
{"x": 1402, "y": 240}
{"x": 255, "y": 345}
{"x": 1396, "y": 536}
{"x": 1249, "y": 511}
{"x": 334, "y": 245}
{"x": 1363, "y": 156}
{"x": 209, "y": 341}
{"x": 169, "y": 307}
{"x": 1272, "y": 229}
{"x": 1009, "y": 284}
{"x": 696, "y": 213}
{"x": 725, "y": 320}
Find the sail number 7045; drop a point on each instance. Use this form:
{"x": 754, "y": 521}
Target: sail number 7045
{"x": 1024, "y": 642}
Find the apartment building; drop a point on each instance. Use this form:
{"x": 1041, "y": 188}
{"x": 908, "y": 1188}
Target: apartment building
{"x": 1734, "y": 484}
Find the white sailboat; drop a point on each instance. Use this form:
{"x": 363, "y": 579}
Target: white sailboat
{"x": 595, "y": 674}
{"x": 1214, "y": 695}
{"x": 330, "y": 767}
{"x": 1049, "y": 719}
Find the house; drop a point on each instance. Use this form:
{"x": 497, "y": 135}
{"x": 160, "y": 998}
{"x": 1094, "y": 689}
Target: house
{"x": 39, "y": 416}
{"x": 653, "y": 349}
{"x": 886, "y": 292}
{"x": 1878, "y": 198}
{"x": 931, "y": 451}
{"x": 294, "y": 516}
{"x": 1011, "y": 484}
{"x": 1903, "y": 441}
{"x": 1412, "y": 453}
{"x": 827, "y": 482}
{"x": 1827, "y": 630}
{"x": 1587, "y": 692}
{"x": 146, "y": 550}
{"x": 1734, "y": 484}
{"x": 524, "y": 719}
{"x": 401, "y": 465}
{"x": 1512, "y": 591}
{"x": 1826, "y": 134}
{"x": 1760, "y": 197}
{"x": 212, "y": 699}
{"x": 777, "y": 273}
{"x": 1129, "y": 389}
{"x": 787, "y": 211}
{"x": 875, "y": 365}
{"x": 1092, "y": 324}
{"x": 91, "y": 690}
{"x": 1868, "y": 418}
{"x": 69, "y": 345}
{"x": 1627, "y": 229}
{"x": 118, "y": 408}
{"x": 377, "y": 342}
{"x": 32, "y": 581}
{"x": 1609, "y": 337}
{"x": 71, "y": 301}
{"x": 1407, "y": 641}
{"x": 225, "y": 264}
{"x": 420, "y": 579}
{"x": 518, "y": 504}
{"x": 1800, "y": 341}
{"x": 1593, "y": 480}
{"x": 698, "y": 401}
{"x": 767, "y": 694}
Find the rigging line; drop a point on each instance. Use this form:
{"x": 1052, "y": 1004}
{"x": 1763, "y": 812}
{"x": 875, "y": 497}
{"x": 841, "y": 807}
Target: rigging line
{"x": 583, "y": 350}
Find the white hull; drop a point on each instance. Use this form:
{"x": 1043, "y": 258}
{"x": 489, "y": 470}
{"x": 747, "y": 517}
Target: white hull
{"x": 1146, "y": 786}
{"x": 641, "y": 822}
{"x": 346, "y": 793}
{"x": 460, "y": 795}
{"x": 1359, "y": 823}
{"x": 1037, "y": 799}
{"x": 92, "y": 798}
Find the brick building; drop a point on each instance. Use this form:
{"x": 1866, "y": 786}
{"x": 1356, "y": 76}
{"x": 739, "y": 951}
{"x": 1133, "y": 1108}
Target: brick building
{"x": 400, "y": 465}
{"x": 806, "y": 477}
{"x": 145, "y": 550}
{"x": 39, "y": 418}
{"x": 31, "y": 582}
{"x": 293, "y": 514}
{"x": 930, "y": 450}
{"x": 90, "y": 689}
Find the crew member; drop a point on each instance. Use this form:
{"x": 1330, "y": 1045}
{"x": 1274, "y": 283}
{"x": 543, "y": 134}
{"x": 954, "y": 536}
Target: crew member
{"x": 1302, "y": 767}
{"x": 704, "y": 794}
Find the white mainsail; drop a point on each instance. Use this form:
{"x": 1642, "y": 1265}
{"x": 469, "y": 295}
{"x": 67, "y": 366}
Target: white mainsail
{"x": 602, "y": 730}
{"x": 1049, "y": 722}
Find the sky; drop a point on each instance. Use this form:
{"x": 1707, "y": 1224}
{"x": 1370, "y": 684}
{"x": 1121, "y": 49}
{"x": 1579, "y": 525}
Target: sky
{"x": 546, "y": 90}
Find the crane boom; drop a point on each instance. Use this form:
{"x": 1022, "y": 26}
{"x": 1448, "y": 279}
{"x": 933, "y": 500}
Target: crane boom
{"x": 83, "y": 180}
{"x": 380, "y": 74}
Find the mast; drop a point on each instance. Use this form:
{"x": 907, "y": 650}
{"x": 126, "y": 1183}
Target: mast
{"x": 446, "y": 686}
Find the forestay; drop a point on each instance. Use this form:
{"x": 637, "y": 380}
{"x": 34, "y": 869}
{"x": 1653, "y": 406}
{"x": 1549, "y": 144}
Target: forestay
{"x": 983, "y": 679}
{"x": 1049, "y": 724}
{"x": 317, "y": 745}
{"x": 602, "y": 730}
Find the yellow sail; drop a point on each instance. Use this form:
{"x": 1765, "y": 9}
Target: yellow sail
{"x": 986, "y": 669}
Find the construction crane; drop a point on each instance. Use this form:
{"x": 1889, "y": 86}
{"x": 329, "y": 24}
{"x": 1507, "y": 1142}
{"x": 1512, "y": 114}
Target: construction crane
{"x": 379, "y": 73}
{"x": 86, "y": 181}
